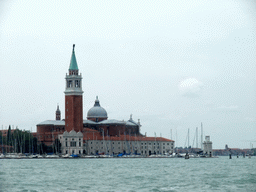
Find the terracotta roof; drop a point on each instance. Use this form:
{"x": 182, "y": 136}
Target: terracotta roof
{"x": 129, "y": 138}
{"x": 90, "y": 130}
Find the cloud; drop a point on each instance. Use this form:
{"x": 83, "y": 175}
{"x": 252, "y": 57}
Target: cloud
{"x": 190, "y": 87}
{"x": 250, "y": 119}
{"x": 227, "y": 108}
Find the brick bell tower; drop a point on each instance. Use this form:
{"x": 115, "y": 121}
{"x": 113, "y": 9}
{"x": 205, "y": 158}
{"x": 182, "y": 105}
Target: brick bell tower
{"x": 73, "y": 97}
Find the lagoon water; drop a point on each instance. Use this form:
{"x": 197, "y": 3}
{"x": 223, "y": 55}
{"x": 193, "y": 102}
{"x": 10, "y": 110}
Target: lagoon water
{"x": 128, "y": 174}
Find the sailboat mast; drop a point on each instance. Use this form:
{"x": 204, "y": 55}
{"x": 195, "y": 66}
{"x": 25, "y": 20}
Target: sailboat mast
{"x": 201, "y": 135}
{"x": 188, "y": 137}
{"x": 130, "y": 141}
{"x": 32, "y": 146}
{"x": 13, "y": 141}
{"x": 2, "y": 139}
{"x": 103, "y": 142}
{"x": 52, "y": 142}
{"x": 176, "y": 138}
{"x": 196, "y": 137}
{"x": 24, "y": 140}
{"x": 29, "y": 142}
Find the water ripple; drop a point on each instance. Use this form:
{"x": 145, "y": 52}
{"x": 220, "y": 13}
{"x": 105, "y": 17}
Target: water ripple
{"x": 221, "y": 174}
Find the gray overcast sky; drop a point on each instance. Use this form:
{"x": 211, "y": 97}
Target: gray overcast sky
{"x": 172, "y": 64}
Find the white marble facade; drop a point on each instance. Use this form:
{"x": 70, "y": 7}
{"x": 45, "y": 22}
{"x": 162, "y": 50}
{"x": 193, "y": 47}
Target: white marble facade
{"x": 71, "y": 142}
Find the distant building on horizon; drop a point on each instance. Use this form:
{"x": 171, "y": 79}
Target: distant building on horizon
{"x": 97, "y": 134}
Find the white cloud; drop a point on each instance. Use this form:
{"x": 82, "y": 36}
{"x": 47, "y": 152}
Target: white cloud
{"x": 190, "y": 87}
{"x": 228, "y": 108}
{"x": 250, "y": 119}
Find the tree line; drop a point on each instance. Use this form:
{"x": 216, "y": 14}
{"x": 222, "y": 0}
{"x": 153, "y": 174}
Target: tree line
{"x": 20, "y": 141}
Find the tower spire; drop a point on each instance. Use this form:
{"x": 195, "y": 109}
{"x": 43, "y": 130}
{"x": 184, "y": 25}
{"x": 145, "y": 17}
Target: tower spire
{"x": 58, "y": 114}
{"x": 73, "y": 64}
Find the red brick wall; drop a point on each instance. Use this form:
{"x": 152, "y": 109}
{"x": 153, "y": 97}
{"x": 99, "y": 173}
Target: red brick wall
{"x": 92, "y": 135}
{"x": 73, "y": 112}
{"x": 48, "y": 133}
{"x": 42, "y": 129}
{"x": 113, "y": 130}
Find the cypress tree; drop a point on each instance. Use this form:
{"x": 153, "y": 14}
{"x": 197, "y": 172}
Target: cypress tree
{"x": 9, "y": 135}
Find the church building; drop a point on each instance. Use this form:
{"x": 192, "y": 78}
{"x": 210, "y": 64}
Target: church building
{"x": 97, "y": 134}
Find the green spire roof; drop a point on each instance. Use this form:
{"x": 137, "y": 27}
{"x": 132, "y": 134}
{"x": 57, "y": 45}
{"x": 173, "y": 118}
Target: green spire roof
{"x": 73, "y": 63}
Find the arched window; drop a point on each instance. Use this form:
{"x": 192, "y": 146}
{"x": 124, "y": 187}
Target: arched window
{"x": 69, "y": 83}
{"x": 77, "y": 83}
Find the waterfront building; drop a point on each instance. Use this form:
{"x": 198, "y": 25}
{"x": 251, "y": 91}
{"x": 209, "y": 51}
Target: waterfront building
{"x": 207, "y": 146}
{"x": 234, "y": 151}
{"x": 97, "y": 134}
{"x": 71, "y": 142}
{"x": 129, "y": 145}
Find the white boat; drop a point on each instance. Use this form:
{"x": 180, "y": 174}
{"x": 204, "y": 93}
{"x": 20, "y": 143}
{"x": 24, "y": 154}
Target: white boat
{"x": 35, "y": 156}
{"x": 65, "y": 156}
{"x": 52, "y": 156}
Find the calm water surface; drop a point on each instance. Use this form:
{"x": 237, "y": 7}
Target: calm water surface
{"x": 126, "y": 174}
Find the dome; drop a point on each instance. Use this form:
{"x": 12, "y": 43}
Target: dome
{"x": 97, "y": 111}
